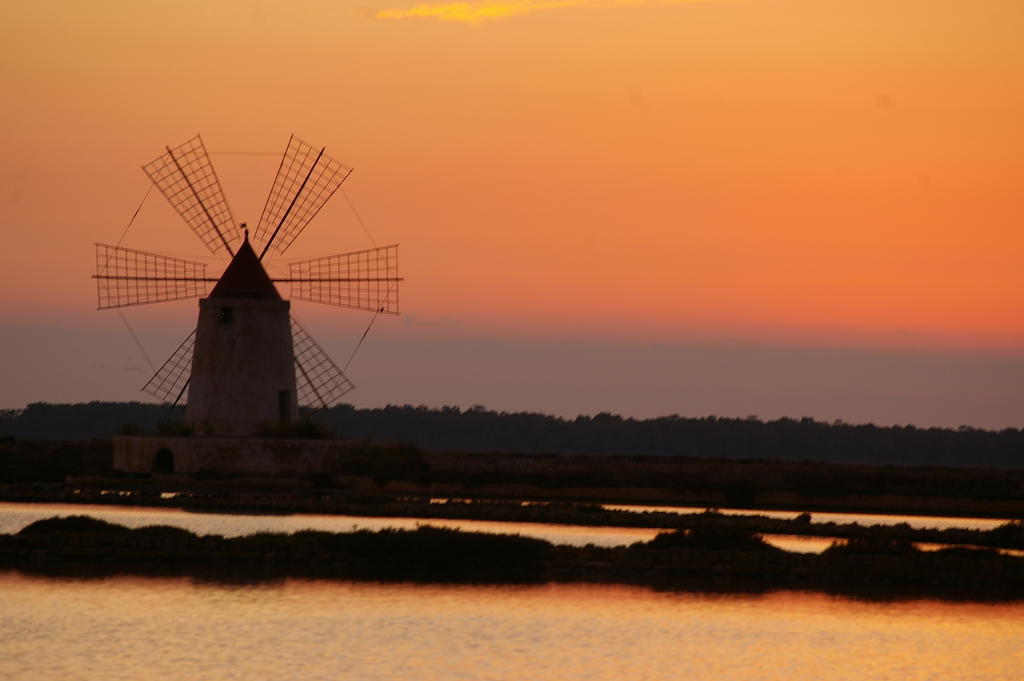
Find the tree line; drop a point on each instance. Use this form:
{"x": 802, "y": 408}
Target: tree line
{"x": 482, "y": 430}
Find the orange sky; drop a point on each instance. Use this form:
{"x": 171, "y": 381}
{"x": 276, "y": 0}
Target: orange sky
{"x": 806, "y": 172}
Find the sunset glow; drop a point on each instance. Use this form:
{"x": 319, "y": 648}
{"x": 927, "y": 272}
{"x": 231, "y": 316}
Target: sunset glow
{"x": 479, "y": 12}
{"x": 804, "y": 173}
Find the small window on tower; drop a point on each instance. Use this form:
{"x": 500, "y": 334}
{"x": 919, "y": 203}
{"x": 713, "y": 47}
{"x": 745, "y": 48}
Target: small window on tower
{"x": 284, "y": 406}
{"x": 225, "y": 315}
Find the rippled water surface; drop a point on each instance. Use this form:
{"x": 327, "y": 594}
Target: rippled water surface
{"x": 132, "y": 628}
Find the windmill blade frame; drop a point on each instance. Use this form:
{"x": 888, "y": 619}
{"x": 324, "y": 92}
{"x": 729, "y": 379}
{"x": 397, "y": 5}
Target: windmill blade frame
{"x": 360, "y": 280}
{"x": 318, "y": 380}
{"x": 125, "y": 276}
{"x": 173, "y": 376}
{"x": 185, "y": 176}
{"x": 305, "y": 180}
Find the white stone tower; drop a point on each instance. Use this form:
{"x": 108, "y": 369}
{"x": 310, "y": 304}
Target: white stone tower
{"x": 243, "y": 365}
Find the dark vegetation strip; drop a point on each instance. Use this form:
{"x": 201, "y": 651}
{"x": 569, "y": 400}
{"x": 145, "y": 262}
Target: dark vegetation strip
{"x": 482, "y": 430}
{"x": 382, "y": 471}
{"x": 1009, "y": 535}
{"x": 719, "y": 559}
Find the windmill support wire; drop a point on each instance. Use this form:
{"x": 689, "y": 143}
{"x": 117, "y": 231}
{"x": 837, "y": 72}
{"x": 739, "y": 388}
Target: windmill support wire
{"x": 359, "y": 218}
{"x": 129, "y": 278}
{"x": 131, "y": 331}
{"x": 243, "y": 153}
{"x": 135, "y": 338}
{"x": 380, "y": 310}
{"x": 131, "y": 222}
{"x": 376, "y": 314}
{"x": 289, "y": 280}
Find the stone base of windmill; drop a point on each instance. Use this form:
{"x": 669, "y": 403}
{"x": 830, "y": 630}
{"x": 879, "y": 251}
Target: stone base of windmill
{"x": 256, "y": 456}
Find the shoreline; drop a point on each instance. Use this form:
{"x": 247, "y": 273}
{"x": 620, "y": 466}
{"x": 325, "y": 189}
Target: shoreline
{"x": 1008, "y": 536}
{"x": 44, "y": 471}
{"x": 721, "y": 558}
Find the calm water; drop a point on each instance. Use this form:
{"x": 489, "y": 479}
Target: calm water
{"x": 131, "y": 628}
{"x": 136, "y": 628}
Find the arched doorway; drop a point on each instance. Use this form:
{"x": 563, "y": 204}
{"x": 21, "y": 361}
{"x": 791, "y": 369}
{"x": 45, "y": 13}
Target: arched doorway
{"x": 163, "y": 461}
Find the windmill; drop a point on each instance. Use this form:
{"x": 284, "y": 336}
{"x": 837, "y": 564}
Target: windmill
{"x": 247, "y": 365}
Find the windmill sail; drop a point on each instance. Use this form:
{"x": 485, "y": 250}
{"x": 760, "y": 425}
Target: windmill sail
{"x": 170, "y": 380}
{"x": 318, "y": 380}
{"x": 305, "y": 180}
{"x": 362, "y": 280}
{"x": 128, "y": 277}
{"x": 186, "y": 177}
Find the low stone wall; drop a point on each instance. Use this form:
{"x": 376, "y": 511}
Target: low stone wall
{"x": 234, "y": 455}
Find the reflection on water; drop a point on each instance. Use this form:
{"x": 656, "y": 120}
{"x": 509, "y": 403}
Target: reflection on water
{"x": 799, "y": 544}
{"x": 131, "y": 628}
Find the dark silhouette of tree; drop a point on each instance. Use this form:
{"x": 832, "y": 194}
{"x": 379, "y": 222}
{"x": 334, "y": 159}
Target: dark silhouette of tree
{"x": 482, "y": 430}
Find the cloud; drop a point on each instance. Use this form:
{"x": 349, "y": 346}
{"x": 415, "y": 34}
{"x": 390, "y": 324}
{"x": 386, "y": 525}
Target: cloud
{"x": 486, "y": 10}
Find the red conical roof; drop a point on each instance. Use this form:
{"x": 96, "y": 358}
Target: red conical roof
{"x": 245, "y": 277}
